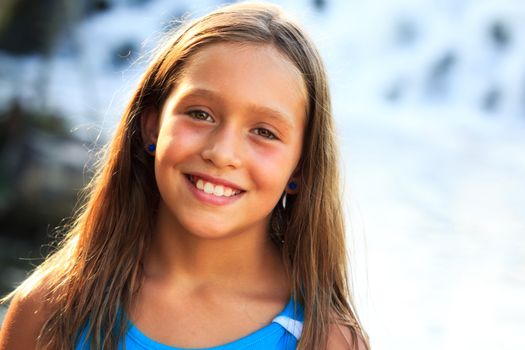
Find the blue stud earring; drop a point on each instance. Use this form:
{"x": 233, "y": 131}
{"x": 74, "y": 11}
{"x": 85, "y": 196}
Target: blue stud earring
{"x": 152, "y": 147}
{"x": 292, "y": 185}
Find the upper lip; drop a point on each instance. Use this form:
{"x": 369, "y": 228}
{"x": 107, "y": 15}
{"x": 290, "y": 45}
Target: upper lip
{"x": 216, "y": 180}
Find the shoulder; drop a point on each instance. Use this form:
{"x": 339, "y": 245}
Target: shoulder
{"x": 24, "y": 319}
{"x": 341, "y": 338}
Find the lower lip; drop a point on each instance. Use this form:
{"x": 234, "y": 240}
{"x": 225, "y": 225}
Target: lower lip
{"x": 210, "y": 198}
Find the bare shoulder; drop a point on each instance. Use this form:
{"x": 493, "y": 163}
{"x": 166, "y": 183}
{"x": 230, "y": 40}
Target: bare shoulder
{"x": 341, "y": 338}
{"x": 24, "y": 319}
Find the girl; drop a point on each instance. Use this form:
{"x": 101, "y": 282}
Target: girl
{"x": 215, "y": 220}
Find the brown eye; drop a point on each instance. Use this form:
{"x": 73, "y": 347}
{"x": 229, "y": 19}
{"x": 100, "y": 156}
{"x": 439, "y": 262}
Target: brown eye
{"x": 200, "y": 115}
{"x": 265, "y": 133}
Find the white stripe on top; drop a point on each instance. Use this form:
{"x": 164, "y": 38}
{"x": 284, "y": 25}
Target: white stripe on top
{"x": 293, "y": 326}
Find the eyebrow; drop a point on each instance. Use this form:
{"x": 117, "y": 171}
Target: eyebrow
{"x": 269, "y": 112}
{"x": 200, "y": 92}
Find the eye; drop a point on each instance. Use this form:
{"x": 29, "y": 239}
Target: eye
{"x": 200, "y": 115}
{"x": 265, "y": 133}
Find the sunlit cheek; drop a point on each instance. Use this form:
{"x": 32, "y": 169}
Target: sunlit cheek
{"x": 181, "y": 139}
{"x": 277, "y": 161}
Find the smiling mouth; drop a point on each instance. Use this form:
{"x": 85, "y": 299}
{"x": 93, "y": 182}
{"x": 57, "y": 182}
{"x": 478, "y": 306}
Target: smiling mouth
{"x": 213, "y": 189}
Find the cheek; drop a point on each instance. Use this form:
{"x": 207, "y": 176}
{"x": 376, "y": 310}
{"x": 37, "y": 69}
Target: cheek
{"x": 274, "y": 166}
{"x": 178, "y": 140}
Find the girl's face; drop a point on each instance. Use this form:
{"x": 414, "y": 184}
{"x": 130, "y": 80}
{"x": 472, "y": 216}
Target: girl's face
{"x": 229, "y": 138}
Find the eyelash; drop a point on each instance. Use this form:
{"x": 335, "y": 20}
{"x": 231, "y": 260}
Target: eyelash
{"x": 193, "y": 114}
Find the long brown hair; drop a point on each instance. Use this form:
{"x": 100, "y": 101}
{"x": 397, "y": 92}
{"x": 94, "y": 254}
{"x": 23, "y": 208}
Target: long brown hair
{"x": 96, "y": 270}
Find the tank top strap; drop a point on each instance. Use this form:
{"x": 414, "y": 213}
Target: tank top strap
{"x": 291, "y": 318}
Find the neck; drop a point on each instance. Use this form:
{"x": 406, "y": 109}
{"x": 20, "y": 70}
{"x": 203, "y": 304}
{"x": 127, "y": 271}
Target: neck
{"x": 247, "y": 258}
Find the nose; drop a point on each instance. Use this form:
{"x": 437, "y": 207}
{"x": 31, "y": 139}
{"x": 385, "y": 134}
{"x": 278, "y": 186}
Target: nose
{"x": 223, "y": 148}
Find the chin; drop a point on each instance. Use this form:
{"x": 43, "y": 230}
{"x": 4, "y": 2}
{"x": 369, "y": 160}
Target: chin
{"x": 208, "y": 230}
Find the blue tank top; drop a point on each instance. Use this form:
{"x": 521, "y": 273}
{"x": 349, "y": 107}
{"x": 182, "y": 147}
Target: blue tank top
{"x": 281, "y": 334}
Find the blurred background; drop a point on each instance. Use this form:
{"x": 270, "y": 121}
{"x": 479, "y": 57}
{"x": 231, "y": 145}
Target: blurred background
{"x": 429, "y": 100}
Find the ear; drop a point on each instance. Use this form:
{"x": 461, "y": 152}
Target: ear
{"x": 149, "y": 126}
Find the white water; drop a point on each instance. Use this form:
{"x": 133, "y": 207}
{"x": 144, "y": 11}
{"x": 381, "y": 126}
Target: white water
{"x": 434, "y": 187}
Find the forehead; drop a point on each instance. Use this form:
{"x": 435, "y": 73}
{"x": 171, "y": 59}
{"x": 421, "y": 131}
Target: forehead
{"x": 247, "y": 74}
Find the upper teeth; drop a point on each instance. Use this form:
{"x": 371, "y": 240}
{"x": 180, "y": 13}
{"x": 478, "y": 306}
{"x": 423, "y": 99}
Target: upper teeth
{"x": 216, "y": 190}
